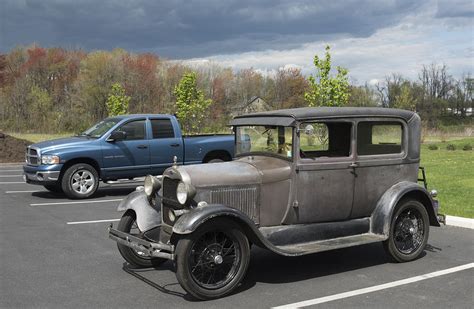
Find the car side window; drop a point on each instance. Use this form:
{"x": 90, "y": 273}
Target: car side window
{"x": 134, "y": 130}
{"x": 162, "y": 128}
{"x": 330, "y": 139}
{"x": 377, "y": 138}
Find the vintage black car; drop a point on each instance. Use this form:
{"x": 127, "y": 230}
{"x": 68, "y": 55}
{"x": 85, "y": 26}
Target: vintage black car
{"x": 304, "y": 180}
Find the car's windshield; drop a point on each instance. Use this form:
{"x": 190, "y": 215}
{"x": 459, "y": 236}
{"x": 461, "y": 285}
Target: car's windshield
{"x": 273, "y": 140}
{"x": 100, "y": 128}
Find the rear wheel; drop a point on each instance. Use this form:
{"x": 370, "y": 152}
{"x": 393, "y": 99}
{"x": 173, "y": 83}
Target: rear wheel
{"x": 409, "y": 231}
{"x": 213, "y": 260}
{"x": 56, "y": 188}
{"x": 135, "y": 258}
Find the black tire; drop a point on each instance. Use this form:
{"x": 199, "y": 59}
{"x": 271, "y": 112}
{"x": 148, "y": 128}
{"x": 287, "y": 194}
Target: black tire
{"x": 208, "y": 245}
{"x": 409, "y": 231}
{"x": 77, "y": 177}
{"x": 127, "y": 224}
{"x": 215, "y": 160}
{"x": 56, "y": 188}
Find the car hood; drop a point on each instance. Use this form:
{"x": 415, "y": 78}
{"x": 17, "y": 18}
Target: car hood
{"x": 244, "y": 171}
{"x": 62, "y": 143}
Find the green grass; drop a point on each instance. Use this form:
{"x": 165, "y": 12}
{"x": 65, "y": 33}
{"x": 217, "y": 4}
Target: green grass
{"x": 39, "y": 137}
{"x": 451, "y": 173}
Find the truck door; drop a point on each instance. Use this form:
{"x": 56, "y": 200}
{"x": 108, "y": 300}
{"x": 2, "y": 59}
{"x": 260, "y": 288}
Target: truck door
{"x": 129, "y": 157}
{"x": 164, "y": 145}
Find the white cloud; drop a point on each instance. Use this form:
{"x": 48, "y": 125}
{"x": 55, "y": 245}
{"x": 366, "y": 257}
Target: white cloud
{"x": 418, "y": 39}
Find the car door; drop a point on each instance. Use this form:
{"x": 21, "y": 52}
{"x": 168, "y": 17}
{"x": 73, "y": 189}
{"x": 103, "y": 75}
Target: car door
{"x": 130, "y": 157}
{"x": 324, "y": 172}
{"x": 381, "y": 149}
{"x": 164, "y": 145}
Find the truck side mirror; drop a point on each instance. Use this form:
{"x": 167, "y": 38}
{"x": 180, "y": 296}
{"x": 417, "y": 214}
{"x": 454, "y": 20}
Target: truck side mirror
{"x": 117, "y": 136}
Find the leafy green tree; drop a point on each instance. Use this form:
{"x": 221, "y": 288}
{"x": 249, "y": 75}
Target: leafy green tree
{"x": 190, "y": 103}
{"x": 327, "y": 90}
{"x": 117, "y": 101}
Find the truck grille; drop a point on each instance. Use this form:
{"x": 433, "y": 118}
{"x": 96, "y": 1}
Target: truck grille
{"x": 32, "y": 156}
{"x": 244, "y": 198}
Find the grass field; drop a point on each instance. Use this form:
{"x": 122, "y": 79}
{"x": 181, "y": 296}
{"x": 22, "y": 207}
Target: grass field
{"x": 451, "y": 173}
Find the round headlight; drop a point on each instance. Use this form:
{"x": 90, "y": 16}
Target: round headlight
{"x": 152, "y": 184}
{"x": 182, "y": 193}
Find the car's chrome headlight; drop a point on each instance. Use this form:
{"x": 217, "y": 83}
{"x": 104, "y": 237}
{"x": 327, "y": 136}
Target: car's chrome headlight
{"x": 184, "y": 192}
{"x": 49, "y": 159}
{"x": 152, "y": 185}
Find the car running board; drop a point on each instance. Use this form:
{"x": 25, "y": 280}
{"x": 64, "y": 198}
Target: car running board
{"x": 329, "y": 244}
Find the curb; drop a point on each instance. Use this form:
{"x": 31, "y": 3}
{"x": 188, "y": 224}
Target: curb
{"x": 460, "y": 222}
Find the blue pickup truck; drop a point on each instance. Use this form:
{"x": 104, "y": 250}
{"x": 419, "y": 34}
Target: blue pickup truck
{"x": 122, "y": 147}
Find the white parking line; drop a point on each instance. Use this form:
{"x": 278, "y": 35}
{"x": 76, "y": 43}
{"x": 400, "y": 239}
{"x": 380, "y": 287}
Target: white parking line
{"x": 326, "y": 299}
{"x": 95, "y": 221}
{"x": 77, "y": 202}
{"x": 11, "y": 182}
{"x": 27, "y": 191}
{"x": 11, "y": 175}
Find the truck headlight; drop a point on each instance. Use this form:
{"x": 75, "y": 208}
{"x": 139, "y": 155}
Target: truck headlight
{"x": 184, "y": 192}
{"x": 49, "y": 159}
{"x": 152, "y": 185}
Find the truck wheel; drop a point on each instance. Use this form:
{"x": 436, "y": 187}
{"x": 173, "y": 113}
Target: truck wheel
{"x": 80, "y": 181}
{"x": 213, "y": 260}
{"x": 135, "y": 258}
{"x": 409, "y": 231}
{"x": 56, "y": 188}
{"x": 215, "y": 161}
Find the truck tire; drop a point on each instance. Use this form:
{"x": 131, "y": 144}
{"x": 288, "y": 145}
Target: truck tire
{"x": 80, "y": 181}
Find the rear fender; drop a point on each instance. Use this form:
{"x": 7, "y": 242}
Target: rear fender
{"x": 382, "y": 216}
{"x": 147, "y": 216}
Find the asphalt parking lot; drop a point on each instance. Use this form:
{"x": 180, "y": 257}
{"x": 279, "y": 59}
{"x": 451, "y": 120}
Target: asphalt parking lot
{"x": 55, "y": 253}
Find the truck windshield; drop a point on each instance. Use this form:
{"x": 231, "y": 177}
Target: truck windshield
{"x": 100, "y": 128}
{"x": 272, "y": 140}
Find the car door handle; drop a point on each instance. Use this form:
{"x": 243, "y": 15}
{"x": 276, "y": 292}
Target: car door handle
{"x": 142, "y": 146}
{"x": 175, "y": 145}
{"x": 354, "y": 165}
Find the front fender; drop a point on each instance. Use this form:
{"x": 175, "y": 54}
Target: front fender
{"x": 191, "y": 220}
{"x": 382, "y": 216}
{"x": 147, "y": 216}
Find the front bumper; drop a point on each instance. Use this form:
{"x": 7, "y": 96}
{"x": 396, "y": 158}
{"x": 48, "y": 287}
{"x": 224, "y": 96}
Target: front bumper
{"x": 151, "y": 249}
{"x": 41, "y": 174}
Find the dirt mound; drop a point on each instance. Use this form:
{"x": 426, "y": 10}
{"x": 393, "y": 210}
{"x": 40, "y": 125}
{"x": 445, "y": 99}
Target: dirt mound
{"x": 12, "y": 149}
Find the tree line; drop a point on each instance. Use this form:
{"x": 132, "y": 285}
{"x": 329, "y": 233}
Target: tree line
{"x": 56, "y": 90}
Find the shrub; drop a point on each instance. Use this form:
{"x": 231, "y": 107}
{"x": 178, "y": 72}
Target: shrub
{"x": 433, "y": 147}
{"x": 451, "y": 147}
{"x": 467, "y": 147}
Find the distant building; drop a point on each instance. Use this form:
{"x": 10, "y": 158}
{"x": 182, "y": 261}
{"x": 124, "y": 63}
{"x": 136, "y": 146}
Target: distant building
{"x": 255, "y": 104}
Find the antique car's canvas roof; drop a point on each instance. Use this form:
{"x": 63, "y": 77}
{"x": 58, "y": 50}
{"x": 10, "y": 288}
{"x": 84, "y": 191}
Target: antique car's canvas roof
{"x": 320, "y": 112}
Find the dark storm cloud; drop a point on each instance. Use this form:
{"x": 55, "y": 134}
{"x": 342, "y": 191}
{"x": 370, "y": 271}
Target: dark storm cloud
{"x": 185, "y": 29}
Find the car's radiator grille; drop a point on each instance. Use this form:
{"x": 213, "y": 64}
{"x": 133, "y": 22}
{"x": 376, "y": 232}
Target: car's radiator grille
{"x": 169, "y": 188}
{"x": 32, "y": 156}
{"x": 243, "y": 198}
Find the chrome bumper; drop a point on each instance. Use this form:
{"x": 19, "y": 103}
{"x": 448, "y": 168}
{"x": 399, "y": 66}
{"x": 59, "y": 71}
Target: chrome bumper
{"x": 152, "y": 249}
{"x": 46, "y": 176}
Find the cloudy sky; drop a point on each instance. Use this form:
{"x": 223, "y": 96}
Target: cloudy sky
{"x": 372, "y": 38}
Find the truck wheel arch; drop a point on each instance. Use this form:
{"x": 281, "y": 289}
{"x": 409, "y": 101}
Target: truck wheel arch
{"x": 381, "y": 217}
{"x": 86, "y": 160}
{"x": 223, "y": 155}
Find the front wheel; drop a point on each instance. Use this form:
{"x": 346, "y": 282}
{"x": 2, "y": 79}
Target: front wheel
{"x": 80, "y": 181}
{"x": 135, "y": 258}
{"x": 213, "y": 260}
{"x": 409, "y": 231}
